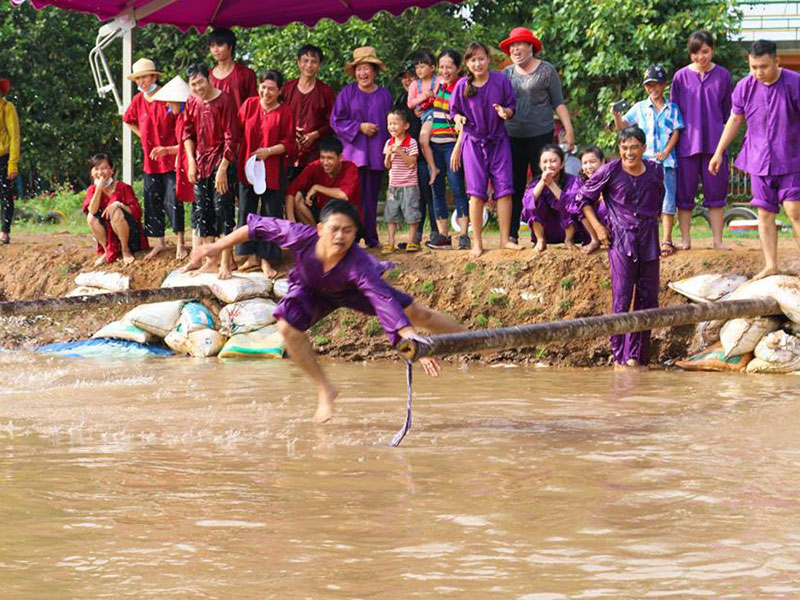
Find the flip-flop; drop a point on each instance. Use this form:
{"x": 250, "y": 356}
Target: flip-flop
{"x": 667, "y": 249}
{"x": 387, "y": 249}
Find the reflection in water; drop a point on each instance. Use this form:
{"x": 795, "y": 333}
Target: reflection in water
{"x": 156, "y": 479}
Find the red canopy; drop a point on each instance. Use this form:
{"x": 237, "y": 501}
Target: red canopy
{"x": 235, "y": 13}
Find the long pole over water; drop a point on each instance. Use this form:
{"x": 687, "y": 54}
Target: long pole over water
{"x": 580, "y": 329}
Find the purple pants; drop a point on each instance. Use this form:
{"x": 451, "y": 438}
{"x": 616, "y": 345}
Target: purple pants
{"x": 370, "y": 186}
{"x": 486, "y": 159}
{"x": 635, "y": 282}
{"x": 694, "y": 168}
{"x": 555, "y": 223}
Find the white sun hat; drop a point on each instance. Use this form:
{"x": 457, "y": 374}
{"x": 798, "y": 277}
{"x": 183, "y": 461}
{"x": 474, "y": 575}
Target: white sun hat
{"x": 256, "y": 172}
{"x": 176, "y": 90}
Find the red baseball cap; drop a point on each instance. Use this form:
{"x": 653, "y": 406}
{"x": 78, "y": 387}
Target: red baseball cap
{"x": 521, "y": 34}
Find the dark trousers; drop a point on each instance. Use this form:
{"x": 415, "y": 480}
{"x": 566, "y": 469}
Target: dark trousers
{"x": 6, "y": 194}
{"x": 159, "y": 199}
{"x": 425, "y": 200}
{"x": 268, "y": 204}
{"x": 524, "y": 154}
{"x": 213, "y": 213}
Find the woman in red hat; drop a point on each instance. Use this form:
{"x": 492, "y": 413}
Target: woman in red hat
{"x": 9, "y": 158}
{"x": 537, "y": 87}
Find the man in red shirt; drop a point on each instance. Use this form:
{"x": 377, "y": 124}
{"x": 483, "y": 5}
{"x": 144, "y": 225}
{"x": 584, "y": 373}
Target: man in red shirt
{"x": 211, "y": 138}
{"x": 322, "y": 180}
{"x": 229, "y": 76}
{"x": 311, "y": 103}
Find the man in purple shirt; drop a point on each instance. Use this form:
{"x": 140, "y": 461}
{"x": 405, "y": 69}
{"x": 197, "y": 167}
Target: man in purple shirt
{"x": 331, "y": 272}
{"x": 769, "y": 100}
{"x": 633, "y": 191}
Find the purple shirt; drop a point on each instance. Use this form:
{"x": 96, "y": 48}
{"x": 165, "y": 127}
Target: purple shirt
{"x": 705, "y": 105}
{"x": 483, "y": 122}
{"x": 772, "y": 143}
{"x": 547, "y": 208}
{"x": 357, "y": 274}
{"x": 633, "y": 205}
{"x": 353, "y": 107}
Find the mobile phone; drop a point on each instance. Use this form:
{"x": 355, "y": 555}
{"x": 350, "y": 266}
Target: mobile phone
{"x": 621, "y": 106}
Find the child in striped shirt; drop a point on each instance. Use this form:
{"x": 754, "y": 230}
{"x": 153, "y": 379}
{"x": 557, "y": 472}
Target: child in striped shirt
{"x": 402, "y": 198}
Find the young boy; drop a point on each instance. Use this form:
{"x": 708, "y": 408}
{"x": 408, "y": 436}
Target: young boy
{"x": 330, "y": 177}
{"x": 228, "y": 76}
{"x": 632, "y": 190}
{"x": 331, "y": 272}
{"x": 211, "y": 138}
{"x": 402, "y": 197}
{"x": 661, "y": 122}
{"x": 769, "y": 100}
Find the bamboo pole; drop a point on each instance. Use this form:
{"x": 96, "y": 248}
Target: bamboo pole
{"x": 581, "y": 329}
{"x": 51, "y": 305}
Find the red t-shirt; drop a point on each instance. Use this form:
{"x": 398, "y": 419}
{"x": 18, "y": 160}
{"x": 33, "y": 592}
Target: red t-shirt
{"x": 156, "y": 128}
{"x": 312, "y": 112}
{"x": 262, "y": 129}
{"x": 241, "y": 83}
{"x": 123, "y": 193}
{"x": 214, "y": 128}
{"x": 346, "y": 180}
{"x": 184, "y": 190}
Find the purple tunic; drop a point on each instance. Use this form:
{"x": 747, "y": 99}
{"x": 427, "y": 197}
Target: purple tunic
{"x": 705, "y": 105}
{"x": 553, "y": 213}
{"x": 633, "y": 206}
{"x": 772, "y": 143}
{"x": 486, "y": 150}
{"x": 355, "y": 282}
{"x": 353, "y": 107}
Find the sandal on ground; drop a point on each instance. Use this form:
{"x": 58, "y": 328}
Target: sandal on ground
{"x": 387, "y": 249}
{"x": 412, "y": 247}
{"x": 667, "y": 249}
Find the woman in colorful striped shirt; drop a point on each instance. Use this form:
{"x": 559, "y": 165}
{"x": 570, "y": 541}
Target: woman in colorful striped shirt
{"x": 444, "y": 143}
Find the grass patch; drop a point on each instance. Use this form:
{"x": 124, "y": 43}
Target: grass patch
{"x": 564, "y": 305}
{"x": 605, "y": 283}
{"x": 515, "y": 268}
{"x": 321, "y": 340}
{"x": 481, "y": 321}
{"x": 567, "y": 283}
{"x": 530, "y": 312}
{"x": 427, "y": 287}
{"x": 496, "y": 299}
{"x": 393, "y": 274}
{"x": 373, "y": 327}
{"x": 470, "y": 267}
{"x": 539, "y": 352}
{"x": 494, "y": 322}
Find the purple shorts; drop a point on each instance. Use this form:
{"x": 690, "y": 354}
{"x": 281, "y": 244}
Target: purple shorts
{"x": 484, "y": 160}
{"x": 769, "y": 191}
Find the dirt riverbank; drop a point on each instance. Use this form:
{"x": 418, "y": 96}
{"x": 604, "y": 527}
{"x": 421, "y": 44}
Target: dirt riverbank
{"x": 501, "y": 288}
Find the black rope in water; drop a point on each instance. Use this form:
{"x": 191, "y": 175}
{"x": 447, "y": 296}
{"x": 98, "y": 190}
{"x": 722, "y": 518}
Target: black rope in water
{"x": 398, "y": 437}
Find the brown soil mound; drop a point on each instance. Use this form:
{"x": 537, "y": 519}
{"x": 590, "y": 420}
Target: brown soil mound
{"x": 501, "y": 288}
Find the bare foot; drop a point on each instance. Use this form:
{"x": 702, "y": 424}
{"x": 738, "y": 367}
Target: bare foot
{"x": 192, "y": 265}
{"x": 157, "y": 249}
{"x": 721, "y": 246}
{"x": 684, "y": 246}
{"x": 327, "y": 396}
{"x": 476, "y": 251}
{"x": 127, "y": 259}
{"x": 765, "y": 272}
{"x": 209, "y": 266}
{"x": 590, "y": 247}
{"x": 252, "y": 262}
{"x": 540, "y": 247}
{"x": 224, "y": 271}
{"x": 100, "y": 260}
{"x": 434, "y": 174}
{"x": 511, "y": 246}
{"x": 570, "y": 245}
{"x": 268, "y": 269}
{"x": 181, "y": 252}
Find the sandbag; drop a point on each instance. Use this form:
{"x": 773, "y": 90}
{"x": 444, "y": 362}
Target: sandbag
{"x": 714, "y": 359}
{"x": 85, "y": 290}
{"x": 784, "y": 289}
{"x": 280, "y": 288}
{"x": 112, "y": 282}
{"x": 178, "y": 279}
{"x": 266, "y": 342}
{"x": 103, "y": 348}
{"x": 201, "y": 343}
{"x": 247, "y": 315}
{"x": 778, "y": 352}
{"x": 241, "y": 286}
{"x": 739, "y": 336}
{"x": 158, "y": 318}
{"x": 708, "y": 287}
{"x": 195, "y": 317}
{"x": 120, "y": 330}
{"x": 708, "y": 332}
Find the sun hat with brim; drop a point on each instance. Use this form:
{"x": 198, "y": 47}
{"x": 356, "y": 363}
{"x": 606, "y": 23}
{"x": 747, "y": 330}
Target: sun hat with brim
{"x": 255, "y": 171}
{"x": 176, "y": 90}
{"x": 521, "y": 34}
{"x": 364, "y": 54}
{"x": 142, "y": 67}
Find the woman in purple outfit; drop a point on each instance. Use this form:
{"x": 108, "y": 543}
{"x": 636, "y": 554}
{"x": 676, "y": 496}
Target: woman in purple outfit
{"x": 359, "y": 120}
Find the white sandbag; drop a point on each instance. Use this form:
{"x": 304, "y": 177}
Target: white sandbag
{"x": 120, "y": 330}
{"x": 708, "y": 287}
{"x": 195, "y": 317}
{"x": 201, "y": 343}
{"x": 266, "y": 342}
{"x": 178, "y": 279}
{"x": 778, "y": 352}
{"x": 85, "y": 290}
{"x": 784, "y": 289}
{"x": 708, "y": 332}
{"x": 247, "y": 315}
{"x": 280, "y": 288}
{"x": 158, "y": 318}
{"x": 241, "y": 286}
{"x": 113, "y": 282}
{"x": 739, "y": 336}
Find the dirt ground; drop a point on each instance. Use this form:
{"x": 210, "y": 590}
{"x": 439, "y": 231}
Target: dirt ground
{"x": 499, "y": 289}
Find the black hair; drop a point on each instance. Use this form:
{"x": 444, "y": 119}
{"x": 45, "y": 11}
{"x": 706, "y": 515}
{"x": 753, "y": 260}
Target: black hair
{"x": 402, "y": 112}
{"x": 277, "y": 77}
{"x": 99, "y": 158}
{"x": 473, "y": 48}
{"x": 424, "y": 57}
{"x": 340, "y": 207}
{"x": 698, "y": 39}
{"x": 331, "y": 144}
{"x": 196, "y": 69}
{"x": 589, "y": 150}
{"x": 557, "y": 150}
{"x": 762, "y": 47}
{"x": 221, "y": 36}
{"x": 454, "y": 56}
{"x": 310, "y": 49}
{"x": 632, "y": 133}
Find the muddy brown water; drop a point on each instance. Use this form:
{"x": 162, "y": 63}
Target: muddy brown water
{"x": 183, "y": 479}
